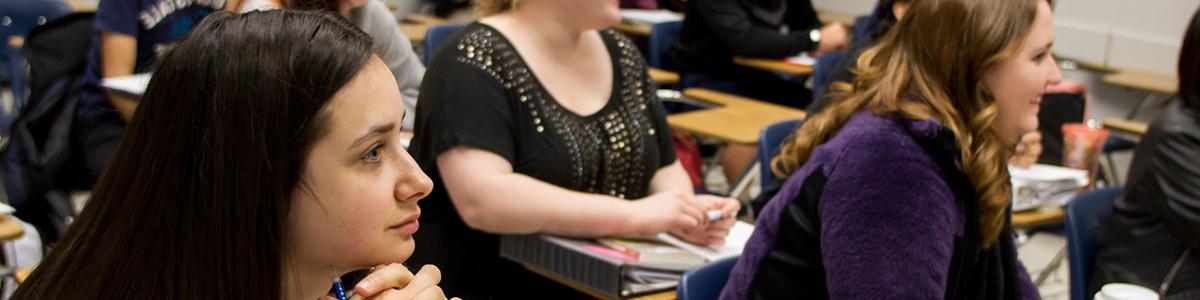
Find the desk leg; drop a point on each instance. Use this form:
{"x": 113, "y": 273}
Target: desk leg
{"x": 1053, "y": 266}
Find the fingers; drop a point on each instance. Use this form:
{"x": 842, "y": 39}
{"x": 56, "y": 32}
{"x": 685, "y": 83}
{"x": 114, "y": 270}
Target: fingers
{"x": 694, "y": 211}
{"x": 428, "y": 277}
{"x": 383, "y": 278}
{"x": 431, "y": 293}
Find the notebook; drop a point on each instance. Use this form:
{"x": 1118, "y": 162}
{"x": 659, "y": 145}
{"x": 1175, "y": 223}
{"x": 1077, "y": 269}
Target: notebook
{"x": 734, "y": 242}
{"x": 132, "y": 85}
{"x": 649, "y": 16}
{"x": 605, "y": 266}
{"x": 1044, "y": 185}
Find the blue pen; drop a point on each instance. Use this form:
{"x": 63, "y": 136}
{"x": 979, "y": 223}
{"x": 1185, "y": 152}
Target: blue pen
{"x": 337, "y": 285}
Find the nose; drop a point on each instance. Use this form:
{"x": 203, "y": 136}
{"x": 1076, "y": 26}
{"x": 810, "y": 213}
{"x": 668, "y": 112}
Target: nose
{"x": 1056, "y": 75}
{"x": 413, "y": 184}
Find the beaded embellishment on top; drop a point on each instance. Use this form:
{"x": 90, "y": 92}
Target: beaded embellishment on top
{"x": 607, "y": 150}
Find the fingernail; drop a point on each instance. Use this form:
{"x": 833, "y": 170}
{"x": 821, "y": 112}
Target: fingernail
{"x": 365, "y": 284}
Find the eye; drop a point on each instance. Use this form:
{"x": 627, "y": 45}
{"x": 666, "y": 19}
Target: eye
{"x": 373, "y": 154}
{"x": 1041, "y": 56}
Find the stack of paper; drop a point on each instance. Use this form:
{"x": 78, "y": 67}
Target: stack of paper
{"x": 133, "y": 85}
{"x": 803, "y": 59}
{"x": 5, "y": 209}
{"x": 649, "y": 16}
{"x": 1045, "y": 185}
{"x": 734, "y": 242}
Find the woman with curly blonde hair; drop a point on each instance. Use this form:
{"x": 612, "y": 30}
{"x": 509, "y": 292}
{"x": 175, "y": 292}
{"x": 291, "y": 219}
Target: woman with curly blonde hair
{"x": 900, "y": 189}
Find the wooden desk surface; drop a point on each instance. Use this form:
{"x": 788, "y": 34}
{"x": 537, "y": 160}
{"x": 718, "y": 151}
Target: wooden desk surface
{"x": 82, "y": 5}
{"x": 773, "y": 65}
{"x": 10, "y": 229}
{"x": 423, "y": 19}
{"x": 1037, "y": 217}
{"x": 633, "y": 30}
{"x": 660, "y": 76}
{"x": 414, "y": 32}
{"x": 667, "y": 295}
{"x": 1126, "y": 126}
{"x": 1158, "y": 83}
{"x": 22, "y": 274}
{"x": 737, "y": 119}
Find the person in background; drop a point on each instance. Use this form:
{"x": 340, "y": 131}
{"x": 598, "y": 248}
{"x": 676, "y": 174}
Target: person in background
{"x": 714, "y": 31}
{"x": 265, "y": 161}
{"x": 129, "y": 36}
{"x": 374, "y": 18}
{"x": 885, "y": 16}
{"x": 1155, "y": 237}
{"x": 533, "y": 122}
{"x": 900, "y": 188}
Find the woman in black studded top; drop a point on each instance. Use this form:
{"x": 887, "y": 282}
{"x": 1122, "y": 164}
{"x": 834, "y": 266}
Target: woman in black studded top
{"x": 535, "y": 120}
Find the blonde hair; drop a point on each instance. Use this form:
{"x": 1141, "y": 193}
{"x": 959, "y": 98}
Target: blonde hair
{"x": 931, "y": 67}
{"x": 491, "y": 7}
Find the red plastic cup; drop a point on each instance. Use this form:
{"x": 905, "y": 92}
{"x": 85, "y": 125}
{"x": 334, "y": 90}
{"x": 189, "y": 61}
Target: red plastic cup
{"x": 1082, "y": 145}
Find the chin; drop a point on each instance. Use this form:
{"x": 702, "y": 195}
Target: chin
{"x": 404, "y": 250}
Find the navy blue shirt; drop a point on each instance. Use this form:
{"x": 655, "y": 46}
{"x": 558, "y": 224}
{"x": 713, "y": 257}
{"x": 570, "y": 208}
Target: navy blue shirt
{"x": 156, "y": 24}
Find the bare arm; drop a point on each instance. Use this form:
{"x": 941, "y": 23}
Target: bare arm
{"x": 118, "y": 56}
{"x": 491, "y": 197}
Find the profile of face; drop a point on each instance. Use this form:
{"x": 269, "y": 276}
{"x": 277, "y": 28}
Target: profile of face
{"x": 1019, "y": 81}
{"x": 356, "y": 204}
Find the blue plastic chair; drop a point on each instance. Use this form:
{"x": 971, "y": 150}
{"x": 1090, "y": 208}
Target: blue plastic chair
{"x": 769, "y": 141}
{"x": 434, "y": 37}
{"x": 1086, "y": 220}
{"x": 823, "y": 70}
{"x": 662, "y": 37}
{"x": 705, "y": 282}
{"x": 17, "y": 18}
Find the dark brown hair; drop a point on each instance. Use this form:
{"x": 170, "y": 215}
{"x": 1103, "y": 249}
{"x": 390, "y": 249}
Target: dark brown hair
{"x": 195, "y": 200}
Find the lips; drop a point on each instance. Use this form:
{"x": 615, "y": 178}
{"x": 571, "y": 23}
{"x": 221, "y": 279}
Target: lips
{"x": 409, "y": 226}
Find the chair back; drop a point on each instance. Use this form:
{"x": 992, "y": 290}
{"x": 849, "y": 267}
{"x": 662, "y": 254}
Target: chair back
{"x": 705, "y": 282}
{"x": 1087, "y": 217}
{"x": 434, "y": 37}
{"x": 17, "y": 18}
{"x": 769, "y": 142}
{"x": 823, "y": 71}
{"x": 662, "y": 37}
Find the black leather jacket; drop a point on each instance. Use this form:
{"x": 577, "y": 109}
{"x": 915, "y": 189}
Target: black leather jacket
{"x": 1159, "y": 217}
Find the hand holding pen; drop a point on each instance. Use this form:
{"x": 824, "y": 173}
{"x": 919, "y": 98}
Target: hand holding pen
{"x": 719, "y": 218}
{"x": 396, "y": 282}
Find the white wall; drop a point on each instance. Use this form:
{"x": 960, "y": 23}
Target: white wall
{"x": 851, "y": 7}
{"x": 1140, "y": 35}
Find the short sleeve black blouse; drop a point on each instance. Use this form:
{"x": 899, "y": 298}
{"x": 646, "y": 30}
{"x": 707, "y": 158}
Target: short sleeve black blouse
{"x": 479, "y": 93}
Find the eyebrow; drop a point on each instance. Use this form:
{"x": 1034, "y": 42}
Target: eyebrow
{"x": 1047, "y": 47}
{"x": 375, "y": 131}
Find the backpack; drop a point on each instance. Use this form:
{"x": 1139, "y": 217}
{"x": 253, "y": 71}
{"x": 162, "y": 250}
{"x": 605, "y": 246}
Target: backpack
{"x": 40, "y": 140}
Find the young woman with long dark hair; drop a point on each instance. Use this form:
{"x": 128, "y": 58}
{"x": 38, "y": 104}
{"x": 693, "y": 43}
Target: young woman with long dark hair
{"x": 263, "y": 160}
